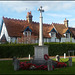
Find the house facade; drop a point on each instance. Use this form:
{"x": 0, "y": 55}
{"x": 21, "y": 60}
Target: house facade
{"x": 27, "y": 31}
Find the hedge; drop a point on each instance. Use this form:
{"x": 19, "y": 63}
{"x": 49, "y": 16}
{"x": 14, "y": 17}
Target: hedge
{"x": 23, "y": 50}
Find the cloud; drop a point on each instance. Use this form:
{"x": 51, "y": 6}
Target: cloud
{"x": 57, "y": 5}
{"x": 72, "y": 22}
{"x": 73, "y": 19}
{"x": 58, "y": 15}
{"x": 20, "y": 6}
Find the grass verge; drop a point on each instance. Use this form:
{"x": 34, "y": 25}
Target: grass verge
{"x": 6, "y": 67}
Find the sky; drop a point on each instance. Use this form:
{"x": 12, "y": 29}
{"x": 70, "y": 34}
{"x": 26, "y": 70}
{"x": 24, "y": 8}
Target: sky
{"x": 54, "y": 11}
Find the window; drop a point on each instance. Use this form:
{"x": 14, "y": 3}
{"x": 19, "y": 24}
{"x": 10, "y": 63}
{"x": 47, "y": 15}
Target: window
{"x": 27, "y": 33}
{"x": 67, "y": 35}
{"x": 52, "y": 34}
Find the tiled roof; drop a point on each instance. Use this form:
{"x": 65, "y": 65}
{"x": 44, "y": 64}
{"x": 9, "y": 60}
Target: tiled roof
{"x": 72, "y": 30}
{"x": 16, "y": 27}
{"x": 61, "y": 28}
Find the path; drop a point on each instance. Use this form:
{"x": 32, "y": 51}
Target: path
{"x": 26, "y": 58}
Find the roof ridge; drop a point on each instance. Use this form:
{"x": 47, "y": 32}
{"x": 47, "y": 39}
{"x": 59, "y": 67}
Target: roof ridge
{"x": 34, "y": 22}
{"x": 46, "y": 24}
{"x": 58, "y": 23}
{"x": 23, "y": 20}
{"x": 43, "y": 23}
{"x": 14, "y": 19}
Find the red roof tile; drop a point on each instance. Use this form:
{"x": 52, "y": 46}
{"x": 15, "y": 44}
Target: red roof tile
{"x": 16, "y": 27}
{"x": 72, "y": 30}
{"x": 61, "y": 28}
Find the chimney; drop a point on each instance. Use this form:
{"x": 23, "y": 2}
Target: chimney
{"x": 66, "y": 22}
{"x": 29, "y": 17}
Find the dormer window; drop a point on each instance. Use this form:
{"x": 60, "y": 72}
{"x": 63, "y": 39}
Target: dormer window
{"x": 52, "y": 33}
{"x": 27, "y": 32}
{"x": 67, "y": 34}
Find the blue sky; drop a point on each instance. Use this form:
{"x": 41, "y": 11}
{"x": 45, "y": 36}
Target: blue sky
{"x": 55, "y": 11}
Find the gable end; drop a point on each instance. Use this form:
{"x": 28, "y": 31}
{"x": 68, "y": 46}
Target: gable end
{"x": 28, "y": 29}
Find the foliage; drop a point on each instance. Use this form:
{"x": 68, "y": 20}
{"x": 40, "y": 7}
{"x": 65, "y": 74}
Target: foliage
{"x": 23, "y": 50}
{"x": 30, "y": 66}
{"x": 6, "y": 67}
{"x": 18, "y": 50}
{"x": 61, "y": 64}
{"x": 59, "y": 48}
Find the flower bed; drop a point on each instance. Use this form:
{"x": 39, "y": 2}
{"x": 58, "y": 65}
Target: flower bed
{"x": 61, "y": 64}
{"x": 29, "y": 66}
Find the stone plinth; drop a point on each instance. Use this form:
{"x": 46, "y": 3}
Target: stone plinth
{"x": 39, "y": 52}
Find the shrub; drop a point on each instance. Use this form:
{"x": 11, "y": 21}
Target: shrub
{"x": 23, "y": 50}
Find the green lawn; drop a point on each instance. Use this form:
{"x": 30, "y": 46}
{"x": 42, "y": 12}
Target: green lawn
{"x": 6, "y": 67}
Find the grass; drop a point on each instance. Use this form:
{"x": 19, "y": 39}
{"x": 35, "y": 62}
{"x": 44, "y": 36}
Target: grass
{"x": 6, "y": 67}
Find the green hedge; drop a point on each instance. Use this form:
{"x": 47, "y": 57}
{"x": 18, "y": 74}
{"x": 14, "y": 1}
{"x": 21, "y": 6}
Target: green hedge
{"x": 60, "y": 48}
{"x": 23, "y": 50}
{"x": 18, "y": 50}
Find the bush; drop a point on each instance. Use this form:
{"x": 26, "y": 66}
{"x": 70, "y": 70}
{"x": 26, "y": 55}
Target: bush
{"x": 18, "y": 50}
{"x": 23, "y": 50}
{"x": 60, "y": 48}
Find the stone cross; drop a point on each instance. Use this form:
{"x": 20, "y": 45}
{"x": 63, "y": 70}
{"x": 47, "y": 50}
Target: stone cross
{"x": 41, "y": 27}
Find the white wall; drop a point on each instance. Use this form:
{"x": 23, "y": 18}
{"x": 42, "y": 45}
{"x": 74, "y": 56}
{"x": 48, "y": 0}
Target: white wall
{"x": 48, "y": 39}
{"x": 4, "y": 31}
{"x": 36, "y": 41}
{"x": 65, "y": 39}
{"x": 57, "y": 40}
{"x": 45, "y": 39}
{"x": 13, "y": 39}
{"x": 73, "y": 40}
{"x": 50, "y": 34}
{"x": 52, "y": 39}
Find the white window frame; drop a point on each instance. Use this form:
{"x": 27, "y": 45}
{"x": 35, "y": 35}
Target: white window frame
{"x": 53, "y": 34}
{"x": 67, "y": 35}
{"x": 27, "y": 33}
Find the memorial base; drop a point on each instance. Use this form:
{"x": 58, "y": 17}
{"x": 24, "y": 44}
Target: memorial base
{"x": 40, "y": 51}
